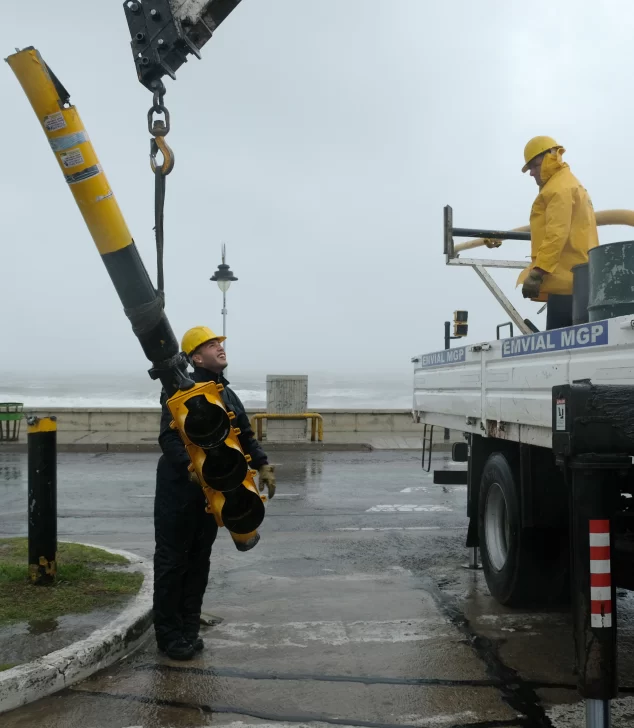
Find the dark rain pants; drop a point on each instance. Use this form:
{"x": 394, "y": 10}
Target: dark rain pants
{"x": 184, "y": 536}
{"x": 558, "y": 311}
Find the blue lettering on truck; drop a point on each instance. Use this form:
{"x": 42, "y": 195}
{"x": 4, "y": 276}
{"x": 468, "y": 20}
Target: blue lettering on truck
{"x": 573, "y": 337}
{"x": 448, "y": 356}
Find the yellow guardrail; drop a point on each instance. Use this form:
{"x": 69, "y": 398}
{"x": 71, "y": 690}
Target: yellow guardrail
{"x": 316, "y": 426}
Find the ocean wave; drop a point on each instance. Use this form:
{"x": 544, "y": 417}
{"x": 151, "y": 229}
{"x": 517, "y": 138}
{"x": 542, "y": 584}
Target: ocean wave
{"x": 107, "y": 395}
{"x": 359, "y": 394}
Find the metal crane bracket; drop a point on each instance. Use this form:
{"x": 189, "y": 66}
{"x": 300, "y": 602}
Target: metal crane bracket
{"x": 165, "y": 32}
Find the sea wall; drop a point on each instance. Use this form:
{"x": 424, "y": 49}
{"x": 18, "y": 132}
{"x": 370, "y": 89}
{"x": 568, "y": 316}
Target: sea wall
{"x": 147, "y": 420}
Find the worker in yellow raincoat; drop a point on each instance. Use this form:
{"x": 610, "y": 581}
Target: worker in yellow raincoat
{"x": 563, "y": 230}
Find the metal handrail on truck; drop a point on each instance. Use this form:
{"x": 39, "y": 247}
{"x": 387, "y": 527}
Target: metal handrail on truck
{"x": 480, "y": 265}
{"x": 452, "y": 252}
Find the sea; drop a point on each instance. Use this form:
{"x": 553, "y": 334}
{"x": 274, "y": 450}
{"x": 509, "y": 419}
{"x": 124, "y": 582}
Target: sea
{"x": 38, "y": 391}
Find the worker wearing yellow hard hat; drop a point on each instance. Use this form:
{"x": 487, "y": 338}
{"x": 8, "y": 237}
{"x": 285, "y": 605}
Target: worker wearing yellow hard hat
{"x": 198, "y": 336}
{"x": 563, "y": 230}
{"x": 184, "y": 532}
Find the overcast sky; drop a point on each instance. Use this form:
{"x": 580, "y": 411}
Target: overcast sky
{"x": 320, "y": 140}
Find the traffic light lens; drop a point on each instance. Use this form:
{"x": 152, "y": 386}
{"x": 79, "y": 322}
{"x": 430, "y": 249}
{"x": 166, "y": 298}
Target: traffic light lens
{"x": 206, "y": 425}
{"x": 224, "y": 469}
{"x": 243, "y": 510}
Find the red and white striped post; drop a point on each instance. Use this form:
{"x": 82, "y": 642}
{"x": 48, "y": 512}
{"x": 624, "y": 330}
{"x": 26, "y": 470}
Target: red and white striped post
{"x": 600, "y": 575}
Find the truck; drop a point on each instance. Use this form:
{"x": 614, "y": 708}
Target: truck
{"x": 547, "y": 419}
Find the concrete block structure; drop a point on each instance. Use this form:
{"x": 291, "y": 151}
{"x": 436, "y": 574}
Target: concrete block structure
{"x": 286, "y": 394}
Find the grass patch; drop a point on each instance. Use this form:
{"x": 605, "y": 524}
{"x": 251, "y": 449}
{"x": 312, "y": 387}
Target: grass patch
{"x": 83, "y": 583}
{"x": 4, "y": 667}
{"x": 16, "y": 550}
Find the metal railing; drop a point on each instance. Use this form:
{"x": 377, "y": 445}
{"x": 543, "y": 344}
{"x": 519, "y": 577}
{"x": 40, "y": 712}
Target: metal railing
{"x": 316, "y": 427}
{"x": 11, "y": 416}
{"x": 479, "y": 265}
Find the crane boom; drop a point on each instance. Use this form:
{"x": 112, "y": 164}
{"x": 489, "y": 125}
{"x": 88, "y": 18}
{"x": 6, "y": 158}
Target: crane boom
{"x": 200, "y": 414}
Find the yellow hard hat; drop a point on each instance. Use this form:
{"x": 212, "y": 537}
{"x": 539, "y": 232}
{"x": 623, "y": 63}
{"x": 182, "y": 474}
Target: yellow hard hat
{"x": 196, "y": 337}
{"x": 537, "y": 145}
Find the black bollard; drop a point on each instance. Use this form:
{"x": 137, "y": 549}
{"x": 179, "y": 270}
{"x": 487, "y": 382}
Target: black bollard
{"x": 42, "y": 497}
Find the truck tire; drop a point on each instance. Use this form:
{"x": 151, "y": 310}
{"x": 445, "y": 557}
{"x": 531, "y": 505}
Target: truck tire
{"x": 521, "y": 566}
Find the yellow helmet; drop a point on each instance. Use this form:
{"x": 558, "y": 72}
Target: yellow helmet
{"x": 537, "y": 145}
{"x": 196, "y": 337}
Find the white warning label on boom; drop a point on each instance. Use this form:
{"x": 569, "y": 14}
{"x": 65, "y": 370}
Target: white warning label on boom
{"x": 54, "y": 122}
{"x": 72, "y": 158}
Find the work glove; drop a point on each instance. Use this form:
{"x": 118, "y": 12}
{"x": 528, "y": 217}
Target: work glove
{"x": 532, "y": 284}
{"x": 491, "y": 243}
{"x": 267, "y": 478}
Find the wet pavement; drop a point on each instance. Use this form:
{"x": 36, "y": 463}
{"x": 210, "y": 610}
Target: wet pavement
{"x": 26, "y": 641}
{"x": 355, "y": 609}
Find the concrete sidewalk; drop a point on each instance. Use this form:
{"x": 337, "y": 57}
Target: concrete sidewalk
{"x": 78, "y": 441}
{"x": 354, "y": 610}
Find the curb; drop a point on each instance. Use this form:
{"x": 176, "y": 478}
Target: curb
{"x": 270, "y": 447}
{"x": 126, "y": 447}
{"x": 79, "y": 447}
{"x": 26, "y": 683}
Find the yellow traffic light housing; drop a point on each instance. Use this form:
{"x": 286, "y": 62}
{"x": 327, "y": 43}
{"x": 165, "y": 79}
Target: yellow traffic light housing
{"x": 460, "y": 325}
{"x": 217, "y": 459}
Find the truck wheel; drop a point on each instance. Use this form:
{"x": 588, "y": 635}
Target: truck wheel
{"x": 508, "y": 568}
{"x": 521, "y": 566}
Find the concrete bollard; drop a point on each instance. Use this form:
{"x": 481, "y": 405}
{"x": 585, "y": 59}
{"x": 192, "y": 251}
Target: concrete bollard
{"x": 286, "y": 394}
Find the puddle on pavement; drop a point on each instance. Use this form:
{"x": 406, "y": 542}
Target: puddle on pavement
{"x": 25, "y": 641}
{"x": 42, "y": 626}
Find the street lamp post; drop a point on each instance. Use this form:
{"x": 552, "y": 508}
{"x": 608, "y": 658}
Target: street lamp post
{"x": 223, "y": 277}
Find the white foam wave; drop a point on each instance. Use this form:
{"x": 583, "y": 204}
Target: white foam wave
{"x": 122, "y": 393}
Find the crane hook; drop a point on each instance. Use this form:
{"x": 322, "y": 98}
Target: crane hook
{"x": 159, "y": 144}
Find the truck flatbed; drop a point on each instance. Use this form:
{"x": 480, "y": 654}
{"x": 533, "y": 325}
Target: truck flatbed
{"x": 503, "y": 388}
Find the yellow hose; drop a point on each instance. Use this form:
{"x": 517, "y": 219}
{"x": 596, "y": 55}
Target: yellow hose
{"x": 605, "y": 217}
